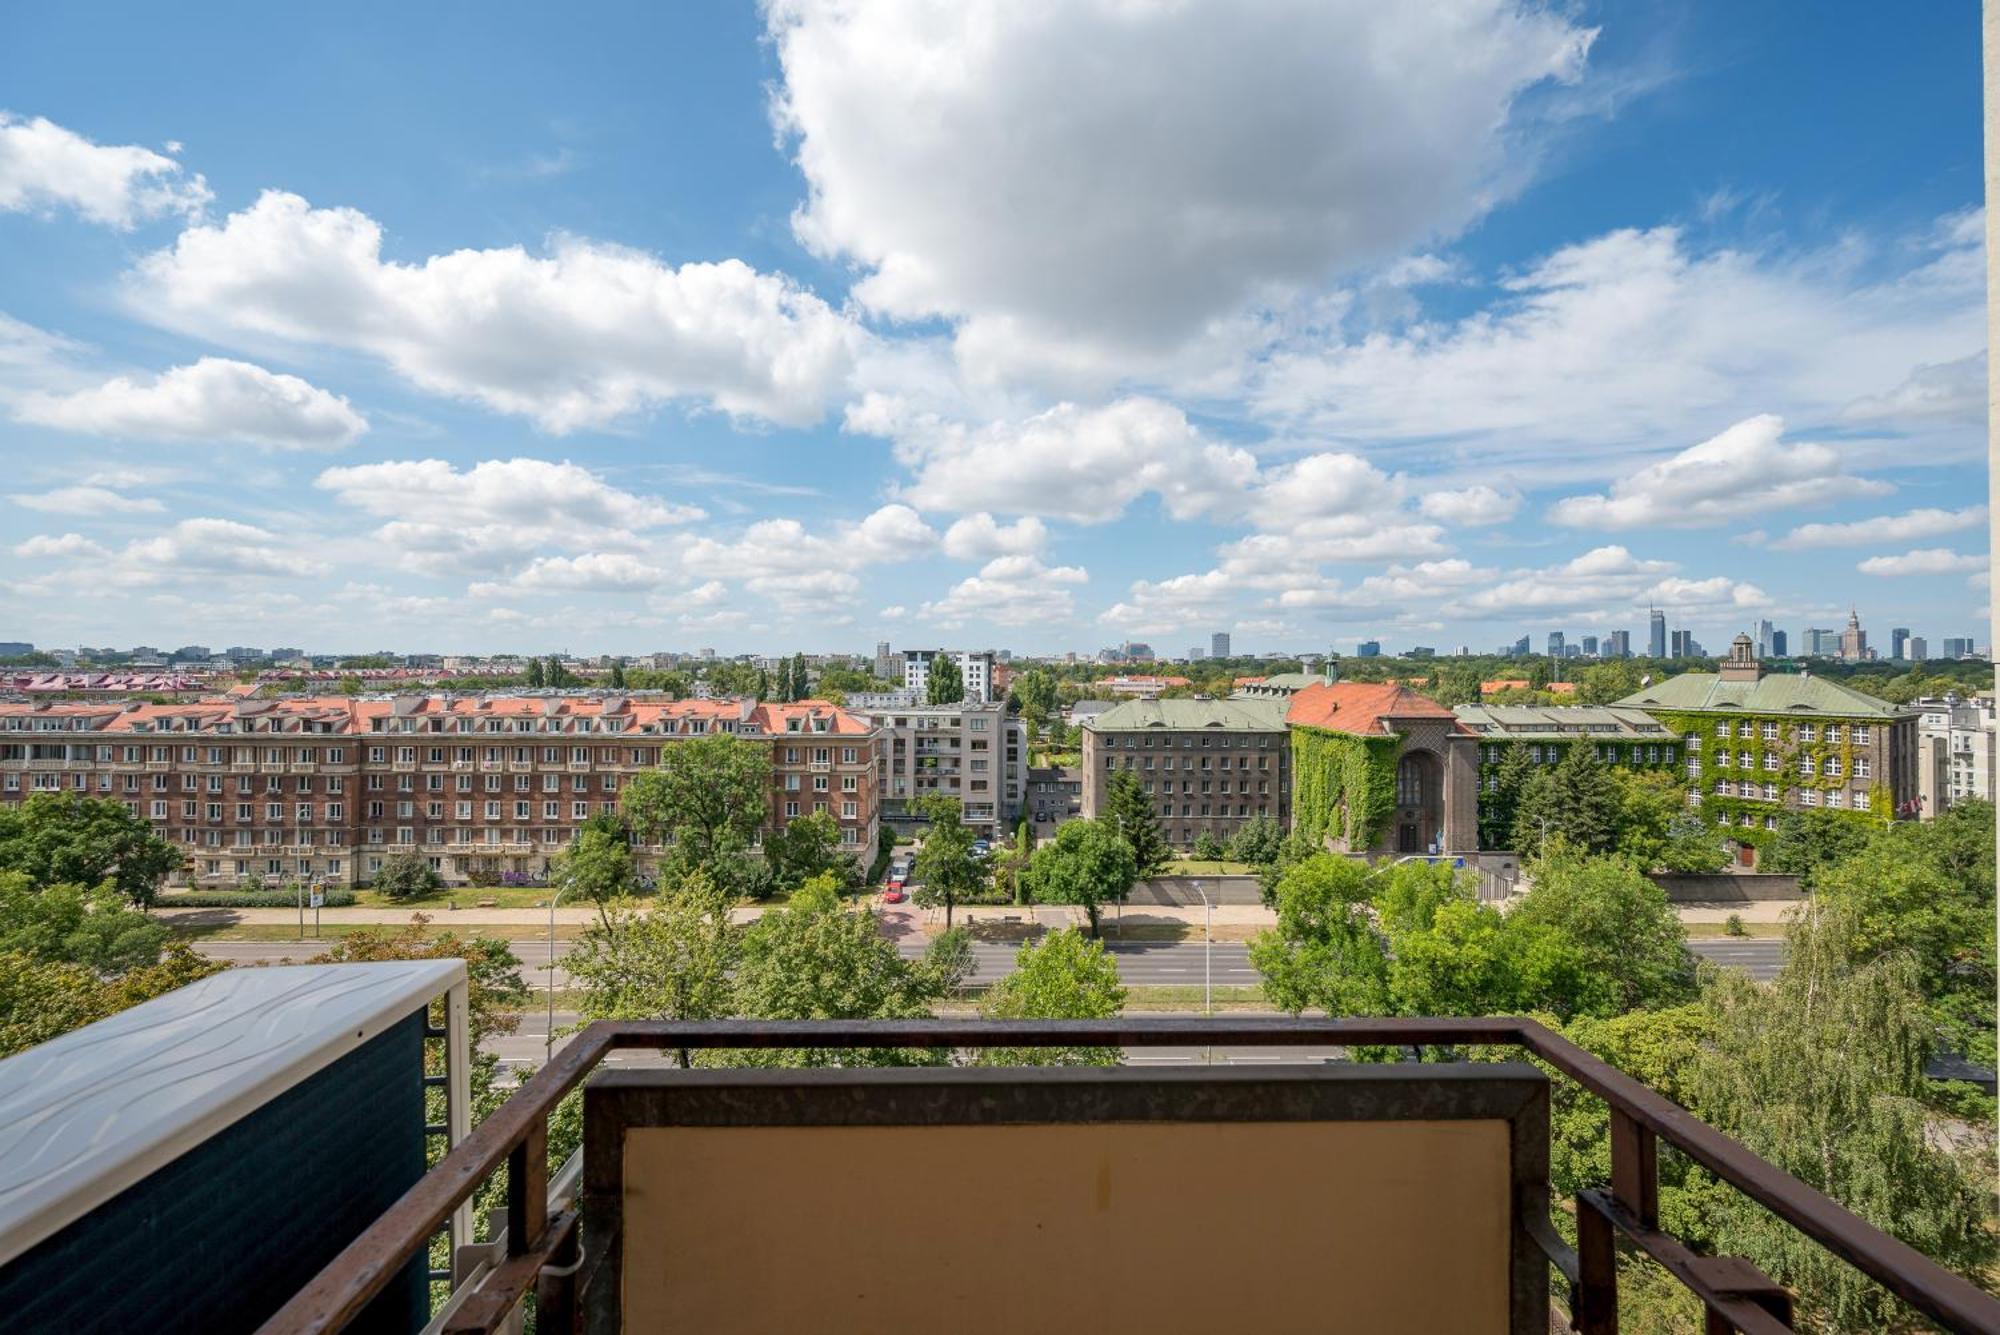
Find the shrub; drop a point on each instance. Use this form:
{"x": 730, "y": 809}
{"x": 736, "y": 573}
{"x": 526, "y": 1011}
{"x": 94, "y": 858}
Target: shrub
{"x": 1733, "y": 925}
{"x": 406, "y": 876}
{"x": 251, "y": 899}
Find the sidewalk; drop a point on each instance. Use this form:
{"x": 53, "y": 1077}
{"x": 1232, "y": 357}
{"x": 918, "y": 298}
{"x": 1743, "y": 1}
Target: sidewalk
{"x": 907, "y": 917}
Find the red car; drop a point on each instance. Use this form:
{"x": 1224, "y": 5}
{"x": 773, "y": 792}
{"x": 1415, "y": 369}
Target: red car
{"x": 892, "y": 893}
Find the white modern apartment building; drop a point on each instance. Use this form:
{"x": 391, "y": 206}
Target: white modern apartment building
{"x": 975, "y": 668}
{"x": 1955, "y": 751}
{"x": 973, "y": 751}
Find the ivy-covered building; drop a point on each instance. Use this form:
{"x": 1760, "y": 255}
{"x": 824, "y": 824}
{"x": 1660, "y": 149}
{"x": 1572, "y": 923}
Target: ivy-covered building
{"x": 1757, "y": 746}
{"x": 1626, "y": 737}
{"x": 1378, "y": 768}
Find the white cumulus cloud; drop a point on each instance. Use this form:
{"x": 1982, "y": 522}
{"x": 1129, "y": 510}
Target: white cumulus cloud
{"x": 1924, "y": 561}
{"x": 86, "y": 500}
{"x": 1100, "y": 181}
{"x": 1748, "y": 469}
{"x": 215, "y": 399}
{"x": 1471, "y": 507}
{"x": 1905, "y": 527}
{"x": 580, "y": 336}
{"x": 45, "y": 167}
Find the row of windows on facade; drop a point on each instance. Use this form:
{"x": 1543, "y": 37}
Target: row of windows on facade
{"x": 1188, "y": 763}
{"x": 1220, "y": 812}
{"x": 1836, "y": 798}
{"x": 1221, "y": 787}
{"x": 1857, "y": 733}
{"x": 1147, "y": 741}
{"x": 1549, "y": 755}
{"x": 437, "y": 834}
{"x": 646, "y": 756}
{"x": 1864, "y": 766}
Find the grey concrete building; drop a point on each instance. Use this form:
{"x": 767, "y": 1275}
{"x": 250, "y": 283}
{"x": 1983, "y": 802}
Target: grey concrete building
{"x": 1209, "y": 765}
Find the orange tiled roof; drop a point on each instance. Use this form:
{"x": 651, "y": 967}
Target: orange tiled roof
{"x": 1561, "y": 688}
{"x": 1363, "y": 708}
{"x": 1504, "y": 684}
{"x": 1246, "y": 681}
{"x": 351, "y": 715}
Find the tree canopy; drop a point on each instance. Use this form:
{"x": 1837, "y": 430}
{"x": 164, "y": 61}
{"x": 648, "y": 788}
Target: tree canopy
{"x": 944, "y": 684}
{"x": 64, "y": 838}
{"x": 1129, "y": 810}
{"x": 1063, "y": 976}
{"x": 946, "y": 870}
{"x": 710, "y": 796}
{"x": 1089, "y": 864}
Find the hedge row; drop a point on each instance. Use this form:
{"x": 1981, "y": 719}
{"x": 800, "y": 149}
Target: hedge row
{"x": 250, "y": 899}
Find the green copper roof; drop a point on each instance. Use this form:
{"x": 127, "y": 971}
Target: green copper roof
{"x": 1234, "y": 715}
{"x": 1785, "y": 694}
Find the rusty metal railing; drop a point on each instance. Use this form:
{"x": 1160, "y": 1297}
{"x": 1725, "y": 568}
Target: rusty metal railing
{"x": 543, "y": 1248}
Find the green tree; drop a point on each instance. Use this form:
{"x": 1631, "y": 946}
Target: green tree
{"x": 1206, "y": 845}
{"x": 1499, "y": 807}
{"x": 41, "y": 999}
{"x": 806, "y": 847}
{"x": 555, "y": 674}
{"x": 1064, "y": 976}
{"x": 1129, "y": 811}
{"x": 617, "y": 681}
{"x": 801, "y": 678}
{"x": 1457, "y": 684}
{"x": 1617, "y": 922}
{"x": 1257, "y": 841}
{"x": 1579, "y": 800}
{"x": 709, "y": 797}
{"x": 1035, "y": 692}
{"x": 947, "y": 872}
{"x": 1821, "y": 1075}
{"x": 1089, "y": 864}
{"x": 1323, "y": 954}
{"x": 945, "y": 684}
{"x": 534, "y": 678}
{"x": 814, "y": 960}
{"x": 1605, "y": 683}
{"x": 73, "y": 924}
{"x": 1808, "y": 842}
{"x": 405, "y": 876}
{"x": 62, "y": 838}
{"x": 673, "y": 962}
{"x": 597, "y": 866}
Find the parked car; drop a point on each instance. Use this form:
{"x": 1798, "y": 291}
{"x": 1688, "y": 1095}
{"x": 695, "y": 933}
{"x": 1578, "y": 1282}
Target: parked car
{"x": 893, "y": 893}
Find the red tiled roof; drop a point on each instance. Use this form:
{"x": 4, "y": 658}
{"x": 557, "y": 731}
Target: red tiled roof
{"x": 1361, "y": 707}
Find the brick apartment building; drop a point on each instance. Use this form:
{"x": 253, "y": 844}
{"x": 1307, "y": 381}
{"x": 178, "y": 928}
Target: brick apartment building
{"x": 1209, "y": 765}
{"x": 482, "y": 786}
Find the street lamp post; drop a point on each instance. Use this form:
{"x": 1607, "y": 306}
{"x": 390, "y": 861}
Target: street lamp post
{"x": 549, "y": 1033}
{"x": 1207, "y": 951}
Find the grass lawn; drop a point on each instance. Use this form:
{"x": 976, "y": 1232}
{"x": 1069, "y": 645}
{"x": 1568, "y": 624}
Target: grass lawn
{"x": 1208, "y": 867}
{"x": 465, "y": 896}
{"x": 1188, "y": 997}
{"x": 330, "y": 931}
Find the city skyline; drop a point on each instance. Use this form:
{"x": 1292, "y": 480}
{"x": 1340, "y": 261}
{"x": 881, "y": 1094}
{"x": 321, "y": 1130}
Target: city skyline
{"x": 686, "y": 343}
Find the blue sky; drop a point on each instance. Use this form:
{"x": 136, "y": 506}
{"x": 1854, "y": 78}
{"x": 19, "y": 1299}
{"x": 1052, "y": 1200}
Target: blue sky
{"x": 1040, "y": 326}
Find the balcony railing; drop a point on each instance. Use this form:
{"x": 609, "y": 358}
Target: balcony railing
{"x": 544, "y": 1252}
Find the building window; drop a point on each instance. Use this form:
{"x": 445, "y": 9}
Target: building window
{"x": 1861, "y": 734}
{"x": 1836, "y": 798}
{"x": 1863, "y": 767}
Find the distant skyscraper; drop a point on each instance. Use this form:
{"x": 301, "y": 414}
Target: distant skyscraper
{"x": 1854, "y": 640}
{"x": 1218, "y": 644}
{"x": 1919, "y": 649}
{"x": 1196, "y": 654}
{"x": 1957, "y": 648}
{"x": 1778, "y": 644}
{"x": 1555, "y": 644}
{"x": 1763, "y": 641}
{"x": 1682, "y": 645}
{"x": 1899, "y": 643}
{"x": 1590, "y": 646}
{"x": 1618, "y": 644}
{"x": 1656, "y": 635}
{"x": 1521, "y": 647}
{"x": 1368, "y": 649}
{"x": 1821, "y": 642}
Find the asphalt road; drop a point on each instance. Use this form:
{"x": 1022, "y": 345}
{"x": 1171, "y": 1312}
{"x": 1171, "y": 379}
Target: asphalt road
{"x": 1760, "y": 957}
{"x": 1140, "y": 963}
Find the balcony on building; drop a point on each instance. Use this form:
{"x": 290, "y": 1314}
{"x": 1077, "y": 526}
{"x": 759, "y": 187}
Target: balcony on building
{"x": 268, "y": 1176}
